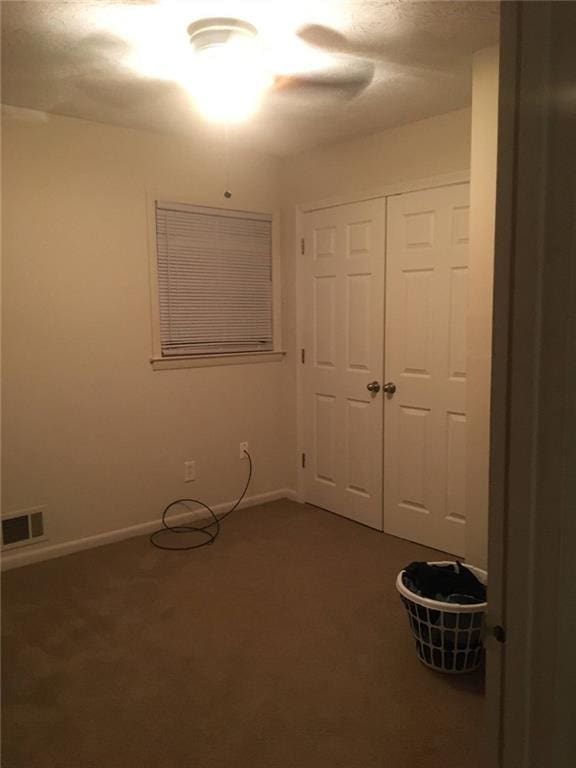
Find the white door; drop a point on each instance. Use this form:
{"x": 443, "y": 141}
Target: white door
{"x": 425, "y": 419}
{"x": 343, "y": 334}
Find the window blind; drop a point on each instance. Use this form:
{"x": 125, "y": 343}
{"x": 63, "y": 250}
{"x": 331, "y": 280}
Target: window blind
{"x": 215, "y": 280}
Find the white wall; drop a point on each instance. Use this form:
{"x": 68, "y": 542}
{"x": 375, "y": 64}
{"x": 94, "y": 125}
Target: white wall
{"x": 90, "y": 430}
{"x": 433, "y": 147}
{"x": 481, "y": 276}
{"x": 429, "y": 147}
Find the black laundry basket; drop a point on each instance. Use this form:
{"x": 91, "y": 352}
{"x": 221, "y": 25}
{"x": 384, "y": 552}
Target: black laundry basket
{"x": 449, "y": 636}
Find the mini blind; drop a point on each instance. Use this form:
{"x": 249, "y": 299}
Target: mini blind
{"x": 215, "y": 280}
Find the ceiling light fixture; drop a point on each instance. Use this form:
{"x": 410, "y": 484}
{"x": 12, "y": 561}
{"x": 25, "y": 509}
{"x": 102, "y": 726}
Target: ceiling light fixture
{"x": 229, "y": 75}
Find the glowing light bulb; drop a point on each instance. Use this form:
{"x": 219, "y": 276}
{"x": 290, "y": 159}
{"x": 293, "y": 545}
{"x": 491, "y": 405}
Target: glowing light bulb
{"x": 229, "y": 80}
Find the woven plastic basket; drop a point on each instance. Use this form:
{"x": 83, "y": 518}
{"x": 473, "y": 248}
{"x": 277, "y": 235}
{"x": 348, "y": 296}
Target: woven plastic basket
{"x": 449, "y": 636}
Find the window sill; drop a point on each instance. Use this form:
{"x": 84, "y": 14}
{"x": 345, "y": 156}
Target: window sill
{"x": 207, "y": 361}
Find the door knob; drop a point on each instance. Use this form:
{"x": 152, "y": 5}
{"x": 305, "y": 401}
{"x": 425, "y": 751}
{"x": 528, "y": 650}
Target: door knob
{"x": 389, "y": 388}
{"x": 374, "y": 387}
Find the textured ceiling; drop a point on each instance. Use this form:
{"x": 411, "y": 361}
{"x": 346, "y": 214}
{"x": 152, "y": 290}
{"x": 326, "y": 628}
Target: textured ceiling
{"x": 124, "y": 63}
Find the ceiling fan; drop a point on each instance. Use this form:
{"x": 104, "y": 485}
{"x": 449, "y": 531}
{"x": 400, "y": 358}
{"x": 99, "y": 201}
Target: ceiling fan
{"x": 229, "y": 64}
{"x": 231, "y": 71}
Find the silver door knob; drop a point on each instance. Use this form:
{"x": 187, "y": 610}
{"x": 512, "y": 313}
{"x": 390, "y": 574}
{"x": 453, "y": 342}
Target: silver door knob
{"x": 374, "y": 386}
{"x": 389, "y": 388}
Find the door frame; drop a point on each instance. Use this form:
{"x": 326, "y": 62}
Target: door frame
{"x": 300, "y": 210}
{"x": 532, "y": 526}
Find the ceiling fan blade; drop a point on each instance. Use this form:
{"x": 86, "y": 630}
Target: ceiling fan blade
{"x": 325, "y": 38}
{"x": 101, "y": 46}
{"x": 117, "y": 93}
{"x": 337, "y": 83}
{"x": 331, "y": 41}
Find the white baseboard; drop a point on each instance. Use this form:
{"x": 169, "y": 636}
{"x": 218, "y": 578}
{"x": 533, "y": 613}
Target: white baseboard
{"x": 34, "y": 554}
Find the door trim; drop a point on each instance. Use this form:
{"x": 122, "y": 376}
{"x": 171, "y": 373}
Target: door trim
{"x": 299, "y": 211}
{"x": 532, "y": 528}
{"x": 399, "y": 188}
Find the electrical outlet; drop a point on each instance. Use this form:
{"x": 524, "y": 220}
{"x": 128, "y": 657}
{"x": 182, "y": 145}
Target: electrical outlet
{"x": 189, "y": 471}
{"x": 243, "y": 447}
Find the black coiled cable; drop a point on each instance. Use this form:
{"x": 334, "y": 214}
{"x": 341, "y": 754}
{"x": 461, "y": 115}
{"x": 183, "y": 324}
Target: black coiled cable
{"x": 210, "y": 531}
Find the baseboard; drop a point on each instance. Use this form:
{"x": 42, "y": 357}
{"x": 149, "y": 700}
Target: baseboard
{"x": 34, "y": 554}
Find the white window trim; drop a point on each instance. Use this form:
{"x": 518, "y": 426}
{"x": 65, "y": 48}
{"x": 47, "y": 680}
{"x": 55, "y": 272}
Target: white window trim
{"x": 162, "y": 363}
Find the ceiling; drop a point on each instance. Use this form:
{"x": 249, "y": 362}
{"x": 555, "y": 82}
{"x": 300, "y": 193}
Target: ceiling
{"x": 115, "y": 62}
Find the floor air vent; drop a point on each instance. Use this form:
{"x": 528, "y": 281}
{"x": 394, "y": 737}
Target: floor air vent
{"x": 26, "y": 527}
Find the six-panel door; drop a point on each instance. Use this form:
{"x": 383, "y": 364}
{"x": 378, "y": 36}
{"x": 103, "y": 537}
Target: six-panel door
{"x": 425, "y": 420}
{"x": 343, "y": 334}
{"x": 425, "y": 235}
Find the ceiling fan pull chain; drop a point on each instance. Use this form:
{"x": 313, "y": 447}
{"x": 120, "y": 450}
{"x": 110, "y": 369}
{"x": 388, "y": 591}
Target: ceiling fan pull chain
{"x": 227, "y": 191}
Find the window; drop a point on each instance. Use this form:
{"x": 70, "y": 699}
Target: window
{"x": 214, "y": 280}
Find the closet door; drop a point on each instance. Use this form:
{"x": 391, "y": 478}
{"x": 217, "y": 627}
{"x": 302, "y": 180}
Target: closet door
{"x": 425, "y": 407}
{"x": 343, "y": 301}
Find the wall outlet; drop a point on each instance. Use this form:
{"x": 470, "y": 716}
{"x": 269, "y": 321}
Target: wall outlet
{"x": 243, "y": 447}
{"x": 189, "y": 471}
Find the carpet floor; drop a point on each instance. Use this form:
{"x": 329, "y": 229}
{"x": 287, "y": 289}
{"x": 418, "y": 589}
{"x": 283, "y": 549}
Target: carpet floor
{"x": 284, "y": 645}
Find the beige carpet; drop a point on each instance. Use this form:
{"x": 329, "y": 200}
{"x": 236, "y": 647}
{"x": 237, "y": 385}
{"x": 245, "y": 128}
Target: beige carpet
{"x": 284, "y": 645}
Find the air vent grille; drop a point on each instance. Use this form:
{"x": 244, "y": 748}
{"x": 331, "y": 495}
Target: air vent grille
{"x": 25, "y": 527}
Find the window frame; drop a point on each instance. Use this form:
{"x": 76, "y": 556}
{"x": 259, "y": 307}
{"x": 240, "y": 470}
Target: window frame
{"x": 160, "y": 362}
